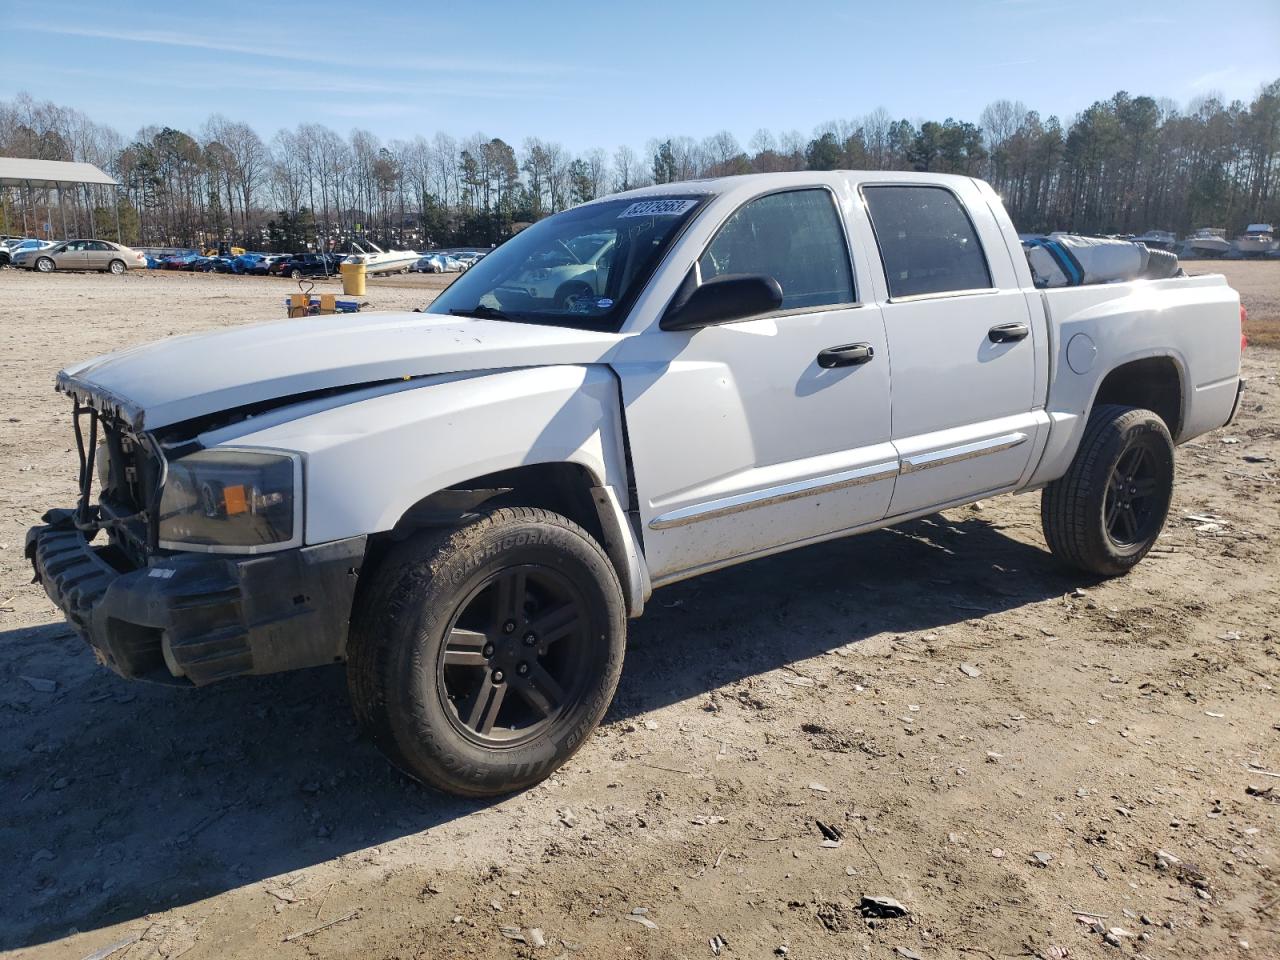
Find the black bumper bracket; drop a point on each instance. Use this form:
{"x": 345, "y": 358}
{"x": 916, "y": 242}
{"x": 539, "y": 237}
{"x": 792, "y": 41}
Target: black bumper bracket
{"x": 199, "y": 617}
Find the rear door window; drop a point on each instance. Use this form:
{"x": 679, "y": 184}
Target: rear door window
{"x": 794, "y": 237}
{"x": 927, "y": 242}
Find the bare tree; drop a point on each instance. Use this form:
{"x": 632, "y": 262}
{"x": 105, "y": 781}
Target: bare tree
{"x": 1124, "y": 163}
{"x": 628, "y": 169}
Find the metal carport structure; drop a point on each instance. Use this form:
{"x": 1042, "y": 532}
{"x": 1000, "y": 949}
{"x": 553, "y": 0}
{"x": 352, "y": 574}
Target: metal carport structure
{"x": 29, "y": 175}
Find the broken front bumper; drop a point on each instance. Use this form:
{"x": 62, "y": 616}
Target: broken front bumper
{"x": 202, "y": 617}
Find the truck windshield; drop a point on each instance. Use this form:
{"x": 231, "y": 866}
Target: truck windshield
{"x": 579, "y": 268}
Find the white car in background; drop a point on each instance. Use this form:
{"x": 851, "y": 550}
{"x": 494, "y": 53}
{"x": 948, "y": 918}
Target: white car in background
{"x": 575, "y": 270}
{"x": 440, "y": 263}
{"x": 11, "y": 247}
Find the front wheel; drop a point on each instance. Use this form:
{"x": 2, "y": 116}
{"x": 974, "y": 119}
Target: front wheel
{"x": 45, "y": 265}
{"x": 1105, "y": 514}
{"x": 296, "y": 274}
{"x": 482, "y": 656}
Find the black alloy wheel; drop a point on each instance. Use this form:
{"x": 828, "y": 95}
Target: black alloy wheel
{"x": 1106, "y": 512}
{"x": 481, "y": 656}
{"x": 1131, "y": 507}
{"x": 515, "y": 655}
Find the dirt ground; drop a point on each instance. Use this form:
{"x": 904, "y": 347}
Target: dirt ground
{"x": 1026, "y": 759}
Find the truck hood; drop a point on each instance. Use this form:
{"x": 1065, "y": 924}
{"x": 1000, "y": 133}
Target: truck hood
{"x": 169, "y": 381}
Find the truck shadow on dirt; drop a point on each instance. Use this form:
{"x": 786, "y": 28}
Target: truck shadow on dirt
{"x": 123, "y": 799}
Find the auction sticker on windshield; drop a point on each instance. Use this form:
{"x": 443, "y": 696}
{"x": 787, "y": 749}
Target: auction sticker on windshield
{"x": 658, "y": 208}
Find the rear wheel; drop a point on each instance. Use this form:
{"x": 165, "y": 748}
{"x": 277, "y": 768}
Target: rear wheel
{"x": 117, "y": 267}
{"x": 45, "y": 265}
{"x": 482, "y": 656}
{"x": 1105, "y": 514}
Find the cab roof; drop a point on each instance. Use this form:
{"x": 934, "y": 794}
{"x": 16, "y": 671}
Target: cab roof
{"x": 762, "y": 182}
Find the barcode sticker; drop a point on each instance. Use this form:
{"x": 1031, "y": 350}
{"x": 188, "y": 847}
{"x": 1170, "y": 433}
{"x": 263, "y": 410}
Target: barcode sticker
{"x": 658, "y": 208}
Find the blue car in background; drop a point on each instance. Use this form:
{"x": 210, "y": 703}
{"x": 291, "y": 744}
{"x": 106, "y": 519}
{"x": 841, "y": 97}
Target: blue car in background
{"x": 248, "y": 263}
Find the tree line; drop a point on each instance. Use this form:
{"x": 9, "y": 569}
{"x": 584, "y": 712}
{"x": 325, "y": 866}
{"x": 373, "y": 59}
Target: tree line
{"x": 1123, "y": 165}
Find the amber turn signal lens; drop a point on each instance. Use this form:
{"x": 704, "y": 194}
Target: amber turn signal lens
{"x": 234, "y": 500}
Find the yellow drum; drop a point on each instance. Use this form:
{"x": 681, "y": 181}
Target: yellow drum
{"x": 352, "y": 279}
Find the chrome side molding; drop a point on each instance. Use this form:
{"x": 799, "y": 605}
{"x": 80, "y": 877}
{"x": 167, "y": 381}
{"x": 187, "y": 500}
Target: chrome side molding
{"x": 726, "y": 506}
{"x": 967, "y": 451}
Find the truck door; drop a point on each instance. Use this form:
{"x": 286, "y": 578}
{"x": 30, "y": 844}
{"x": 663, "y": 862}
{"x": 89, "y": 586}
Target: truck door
{"x": 962, "y": 341}
{"x": 773, "y": 430}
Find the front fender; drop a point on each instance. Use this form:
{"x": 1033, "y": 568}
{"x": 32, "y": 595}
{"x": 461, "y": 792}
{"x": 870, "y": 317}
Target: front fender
{"x": 366, "y": 463}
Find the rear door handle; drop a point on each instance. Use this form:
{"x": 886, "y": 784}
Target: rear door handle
{"x": 1008, "y": 332}
{"x": 849, "y": 355}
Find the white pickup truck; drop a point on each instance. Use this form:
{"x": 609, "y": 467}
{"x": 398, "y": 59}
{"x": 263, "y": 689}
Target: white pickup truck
{"x": 466, "y": 504}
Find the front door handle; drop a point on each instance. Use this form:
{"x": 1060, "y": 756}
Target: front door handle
{"x": 850, "y": 355}
{"x": 1008, "y": 332}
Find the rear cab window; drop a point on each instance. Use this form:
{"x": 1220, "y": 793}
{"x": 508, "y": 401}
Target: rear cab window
{"x": 795, "y": 237}
{"x": 927, "y": 242}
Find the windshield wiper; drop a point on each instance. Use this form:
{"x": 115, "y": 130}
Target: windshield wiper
{"x": 481, "y": 312}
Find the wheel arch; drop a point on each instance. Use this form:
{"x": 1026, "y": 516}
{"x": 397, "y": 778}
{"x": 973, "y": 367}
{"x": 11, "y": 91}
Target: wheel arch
{"x": 568, "y": 488}
{"x": 1154, "y": 383}
{"x": 1150, "y": 379}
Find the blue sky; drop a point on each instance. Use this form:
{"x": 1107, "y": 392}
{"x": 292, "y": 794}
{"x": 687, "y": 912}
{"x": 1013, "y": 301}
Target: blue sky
{"x": 602, "y": 74}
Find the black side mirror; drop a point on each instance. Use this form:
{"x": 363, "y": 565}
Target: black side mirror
{"x": 723, "y": 300}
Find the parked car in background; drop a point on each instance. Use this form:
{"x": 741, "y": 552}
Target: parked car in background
{"x": 81, "y": 255}
{"x": 439, "y": 263}
{"x": 576, "y": 269}
{"x": 246, "y": 262}
{"x": 263, "y": 266}
{"x": 306, "y": 265}
{"x": 14, "y": 245}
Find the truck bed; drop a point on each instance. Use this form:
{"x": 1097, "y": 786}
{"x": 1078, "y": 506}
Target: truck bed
{"x": 1192, "y": 320}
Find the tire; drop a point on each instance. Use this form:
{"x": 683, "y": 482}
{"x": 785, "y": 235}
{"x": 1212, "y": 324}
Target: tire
{"x": 45, "y": 265}
{"x": 505, "y": 701}
{"x": 296, "y": 274}
{"x": 1105, "y": 514}
{"x": 117, "y": 267}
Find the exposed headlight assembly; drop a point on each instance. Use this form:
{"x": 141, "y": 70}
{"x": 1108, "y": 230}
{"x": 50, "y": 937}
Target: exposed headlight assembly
{"x": 232, "y": 501}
